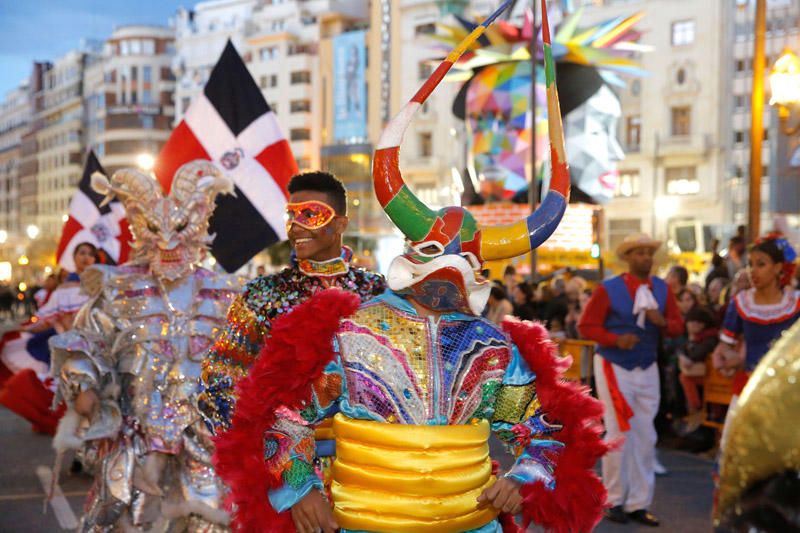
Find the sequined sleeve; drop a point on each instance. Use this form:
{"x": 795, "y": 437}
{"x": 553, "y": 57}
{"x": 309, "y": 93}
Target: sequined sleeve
{"x": 289, "y": 447}
{"x": 227, "y": 362}
{"x": 521, "y": 424}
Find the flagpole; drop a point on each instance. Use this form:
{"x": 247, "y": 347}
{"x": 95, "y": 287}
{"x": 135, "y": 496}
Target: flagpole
{"x": 533, "y": 189}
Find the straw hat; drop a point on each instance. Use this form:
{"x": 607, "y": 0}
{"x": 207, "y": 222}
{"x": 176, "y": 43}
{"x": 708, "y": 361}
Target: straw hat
{"x": 636, "y": 240}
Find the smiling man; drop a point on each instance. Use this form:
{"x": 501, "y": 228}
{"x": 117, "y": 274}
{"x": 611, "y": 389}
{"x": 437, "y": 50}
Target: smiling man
{"x": 316, "y": 221}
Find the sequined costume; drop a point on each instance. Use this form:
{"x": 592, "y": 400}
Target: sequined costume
{"x": 250, "y": 319}
{"x": 138, "y": 344}
{"x": 395, "y": 367}
{"x": 415, "y": 380}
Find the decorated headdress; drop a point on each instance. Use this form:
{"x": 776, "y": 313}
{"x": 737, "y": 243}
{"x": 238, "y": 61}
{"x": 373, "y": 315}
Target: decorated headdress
{"x": 789, "y": 254}
{"x": 170, "y": 231}
{"x": 440, "y": 238}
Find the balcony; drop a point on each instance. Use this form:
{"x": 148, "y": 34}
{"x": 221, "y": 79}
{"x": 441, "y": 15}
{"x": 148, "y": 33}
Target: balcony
{"x": 686, "y": 145}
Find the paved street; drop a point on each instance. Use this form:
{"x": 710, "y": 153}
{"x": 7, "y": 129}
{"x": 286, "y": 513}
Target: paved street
{"x": 683, "y": 498}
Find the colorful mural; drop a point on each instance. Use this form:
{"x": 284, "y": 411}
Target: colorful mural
{"x": 495, "y": 101}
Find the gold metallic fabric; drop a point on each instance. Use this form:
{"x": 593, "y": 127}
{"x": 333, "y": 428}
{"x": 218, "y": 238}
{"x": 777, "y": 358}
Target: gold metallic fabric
{"x": 409, "y": 478}
{"x": 762, "y": 438}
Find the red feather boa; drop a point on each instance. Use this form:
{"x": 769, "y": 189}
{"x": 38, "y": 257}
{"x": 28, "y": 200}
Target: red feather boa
{"x": 290, "y": 363}
{"x": 576, "y": 504}
{"x": 295, "y": 355}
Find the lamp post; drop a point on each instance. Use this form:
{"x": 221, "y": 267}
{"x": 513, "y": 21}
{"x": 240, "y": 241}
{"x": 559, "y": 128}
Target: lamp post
{"x": 784, "y": 81}
{"x": 757, "y": 122}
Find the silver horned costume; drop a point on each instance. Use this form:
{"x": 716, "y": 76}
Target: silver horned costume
{"x": 139, "y": 343}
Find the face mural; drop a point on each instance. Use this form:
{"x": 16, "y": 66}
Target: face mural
{"x": 495, "y": 104}
{"x": 498, "y": 122}
{"x": 591, "y": 136}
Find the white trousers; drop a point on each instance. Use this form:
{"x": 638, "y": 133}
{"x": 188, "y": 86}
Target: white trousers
{"x": 628, "y": 472}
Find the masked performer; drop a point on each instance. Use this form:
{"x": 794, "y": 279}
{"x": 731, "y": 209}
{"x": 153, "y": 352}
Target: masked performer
{"x": 129, "y": 368}
{"x": 316, "y": 221}
{"x": 415, "y": 380}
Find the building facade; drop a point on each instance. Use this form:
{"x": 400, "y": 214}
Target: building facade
{"x": 59, "y": 145}
{"x": 15, "y": 116}
{"x": 670, "y": 181}
{"x": 128, "y": 96}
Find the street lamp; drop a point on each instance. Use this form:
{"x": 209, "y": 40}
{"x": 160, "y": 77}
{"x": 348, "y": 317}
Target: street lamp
{"x": 3, "y": 236}
{"x": 784, "y": 81}
{"x": 146, "y": 161}
{"x": 32, "y": 231}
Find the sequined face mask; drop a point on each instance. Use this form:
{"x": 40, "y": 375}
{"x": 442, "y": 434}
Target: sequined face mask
{"x": 310, "y": 215}
{"x": 170, "y": 231}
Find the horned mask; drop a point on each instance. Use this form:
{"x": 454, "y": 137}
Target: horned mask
{"x": 448, "y": 245}
{"x": 170, "y": 231}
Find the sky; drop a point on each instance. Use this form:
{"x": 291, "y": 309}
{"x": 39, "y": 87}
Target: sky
{"x": 44, "y": 30}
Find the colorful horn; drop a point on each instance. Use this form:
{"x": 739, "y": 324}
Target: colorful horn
{"x": 502, "y": 242}
{"x": 408, "y": 212}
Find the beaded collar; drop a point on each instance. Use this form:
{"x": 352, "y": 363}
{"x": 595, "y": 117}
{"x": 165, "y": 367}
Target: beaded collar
{"x": 331, "y": 267}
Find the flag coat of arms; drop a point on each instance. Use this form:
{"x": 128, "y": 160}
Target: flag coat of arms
{"x": 231, "y": 124}
{"x": 104, "y": 226}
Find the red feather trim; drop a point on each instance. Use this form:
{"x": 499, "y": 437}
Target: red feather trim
{"x": 576, "y": 504}
{"x": 282, "y": 375}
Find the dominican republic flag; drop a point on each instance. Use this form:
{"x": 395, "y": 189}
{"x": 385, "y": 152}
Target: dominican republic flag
{"x": 231, "y": 124}
{"x": 105, "y": 227}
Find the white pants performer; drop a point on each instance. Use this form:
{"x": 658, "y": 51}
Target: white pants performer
{"x": 628, "y": 472}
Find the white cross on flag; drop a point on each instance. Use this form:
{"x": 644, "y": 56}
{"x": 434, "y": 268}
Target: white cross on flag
{"x": 231, "y": 124}
{"x": 105, "y": 227}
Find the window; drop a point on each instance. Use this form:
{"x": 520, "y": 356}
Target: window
{"x": 262, "y": 82}
{"x": 681, "y": 121}
{"x": 148, "y": 47}
{"x": 136, "y": 47}
{"x": 425, "y": 144}
{"x": 147, "y": 74}
{"x": 300, "y": 134}
{"x": 270, "y": 52}
{"x": 273, "y": 106}
{"x": 681, "y": 180}
{"x": 185, "y": 101}
{"x": 633, "y": 133}
{"x": 300, "y": 106}
{"x": 425, "y": 29}
{"x": 303, "y": 163}
{"x": 627, "y": 184}
{"x": 300, "y": 77}
{"x": 744, "y": 66}
{"x": 682, "y": 32}
{"x": 425, "y": 69}
{"x": 147, "y": 96}
{"x": 272, "y": 80}
{"x": 148, "y": 122}
{"x": 738, "y": 137}
{"x": 620, "y": 228}
{"x": 739, "y": 101}
{"x": 680, "y": 76}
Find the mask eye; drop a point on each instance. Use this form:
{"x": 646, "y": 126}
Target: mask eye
{"x": 152, "y": 228}
{"x": 472, "y": 260}
{"x": 182, "y": 226}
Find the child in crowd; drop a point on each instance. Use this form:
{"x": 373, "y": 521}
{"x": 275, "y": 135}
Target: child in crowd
{"x": 703, "y": 338}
